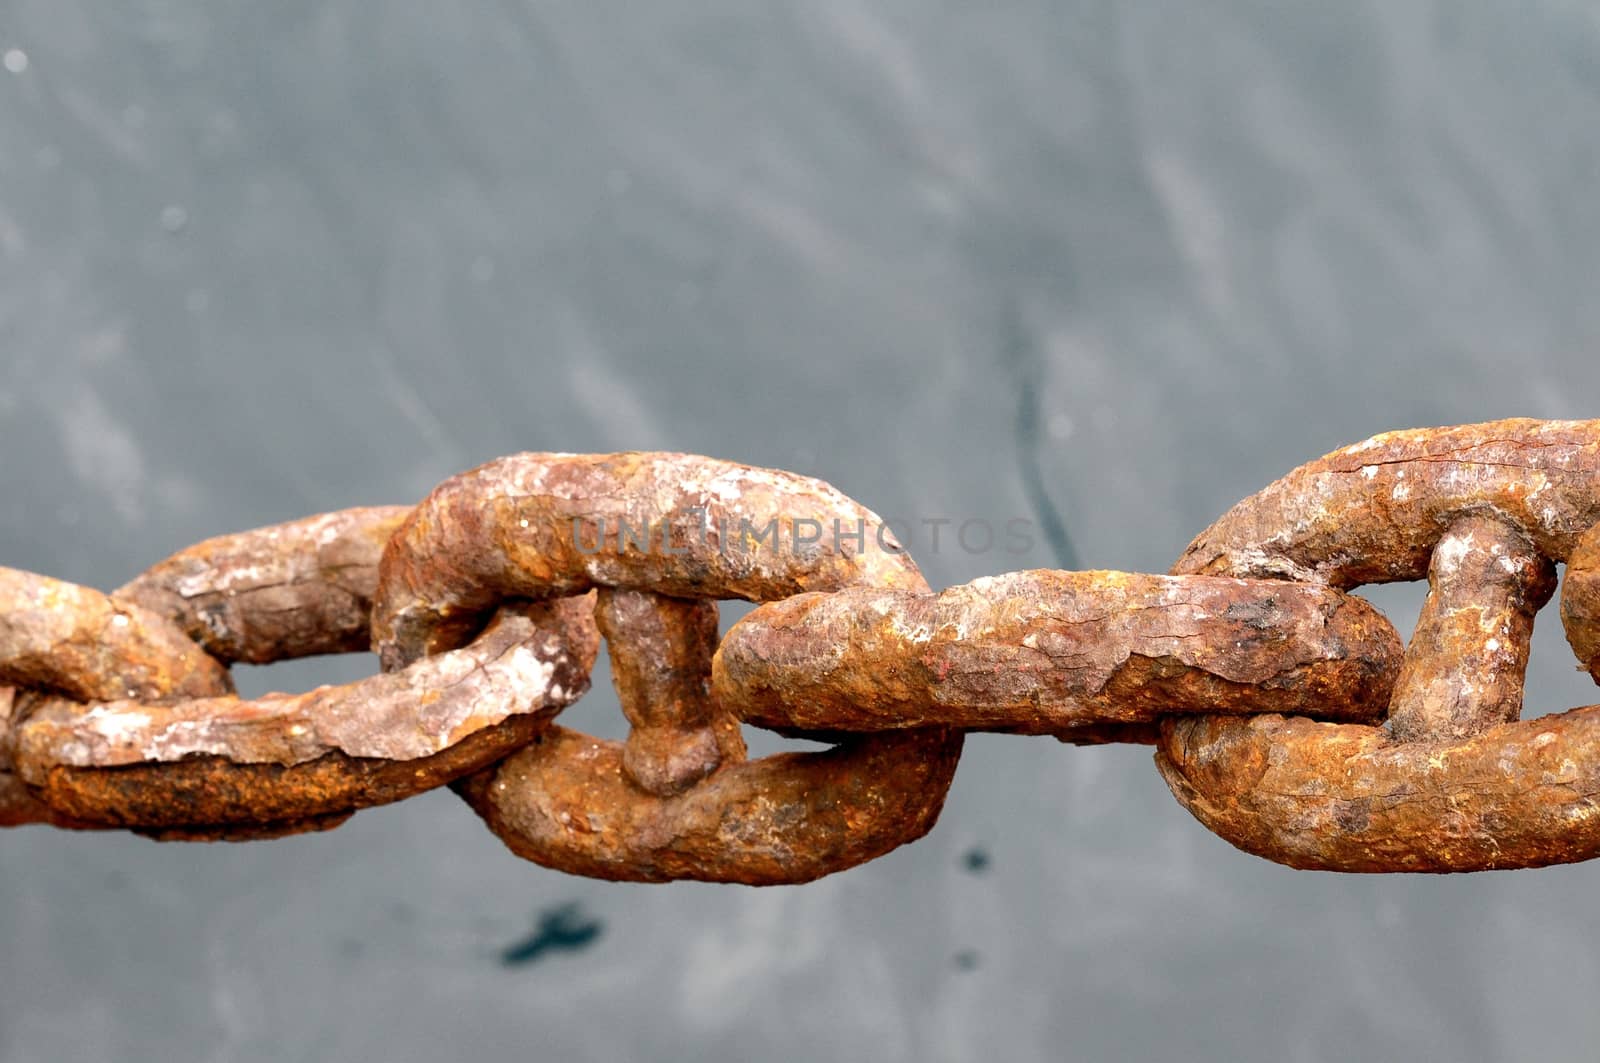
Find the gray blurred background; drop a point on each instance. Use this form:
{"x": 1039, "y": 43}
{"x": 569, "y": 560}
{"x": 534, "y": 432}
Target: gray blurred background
{"x": 1124, "y": 263}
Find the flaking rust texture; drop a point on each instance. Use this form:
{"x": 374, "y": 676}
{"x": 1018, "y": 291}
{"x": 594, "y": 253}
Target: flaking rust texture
{"x": 1441, "y": 789}
{"x": 660, "y": 651}
{"x": 1047, "y": 652}
{"x": 1454, "y": 783}
{"x": 1346, "y": 797}
{"x": 210, "y": 798}
{"x": 76, "y": 641}
{"x": 19, "y": 805}
{"x": 200, "y": 763}
{"x": 1370, "y": 513}
{"x": 289, "y": 590}
{"x": 678, "y": 800}
{"x": 1580, "y": 601}
{"x": 564, "y": 802}
{"x": 540, "y": 525}
{"x": 1468, "y": 657}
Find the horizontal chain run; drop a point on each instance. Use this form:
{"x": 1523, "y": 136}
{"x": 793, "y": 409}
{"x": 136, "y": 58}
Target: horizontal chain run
{"x": 1286, "y": 713}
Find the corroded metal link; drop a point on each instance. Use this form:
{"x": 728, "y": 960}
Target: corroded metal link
{"x": 660, "y": 651}
{"x": 210, "y": 765}
{"x": 1332, "y": 797}
{"x": 289, "y": 590}
{"x": 73, "y": 640}
{"x": 19, "y": 805}
{"x": 1372, "y": 512}
{"x": 1046, "y": 652}
{"x": 1580, "y": 601}
{"x": 1450, "y": 786}
{"x": 1468, "y": 657}
{"x": 540, "y": 525}
{"x": 678, "y": 801}
{"x": 224, "y": 761}
{"x": 564, "y": 802}
{"x": 62, "y": 637}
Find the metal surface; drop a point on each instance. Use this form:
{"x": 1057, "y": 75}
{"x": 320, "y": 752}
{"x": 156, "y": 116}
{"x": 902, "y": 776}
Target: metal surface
{"x": 1455, "y": 783}
{"x": 203, "y": 763}
{"x": 1048, "y": 652}
{"x": 1580, "y": 600}
{"x": 677, "y": 799}
{"x": 224, "y": 761}
{"x": 289, "y": 590}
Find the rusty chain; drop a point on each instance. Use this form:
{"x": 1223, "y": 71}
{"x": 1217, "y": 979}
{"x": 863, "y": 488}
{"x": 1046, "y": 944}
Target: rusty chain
{"x": 1285, "y": 711}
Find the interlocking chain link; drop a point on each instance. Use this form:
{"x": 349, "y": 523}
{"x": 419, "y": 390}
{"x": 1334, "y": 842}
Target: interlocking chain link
{"x": 1286, "y": 714}
{"x": 677, "y": 800}
{"x": 1454, "y": 783}
{"x": 212, "y": 765}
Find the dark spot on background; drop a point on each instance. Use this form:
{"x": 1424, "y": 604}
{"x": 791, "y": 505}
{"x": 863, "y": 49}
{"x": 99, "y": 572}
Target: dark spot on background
{"x": 976, "y": 860}
{"x": 966, "y": 960}
{"x": 563, "y": 928}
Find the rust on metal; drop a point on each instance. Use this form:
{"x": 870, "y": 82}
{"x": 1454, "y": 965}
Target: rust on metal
{"x": 19, "y": 805}
{"x": 660, "y": 651}
{"x": 564, "y": 802}
{"x": 1048, "y": 652}
{"x": 1468, "y": 656}
{"x": 290, "y": 590}
{"x": 208, "y": 797}
{"x": 64, "y": 638}
{"x": 678, "y": 800}
{"x": 1453, "y": 783}
{"x": 1283, "y": 711}
{"x": 541, "y": 525}
{"x": 247, "y": 831}
{"x": 1580, "y": 601}
{"x": 76, "y": 641}
{"x": 224, "y": 760}
{"x": 1110, "y": 734}
{"x": 1371, "y": 513}
{"x": 1345, "y": 797}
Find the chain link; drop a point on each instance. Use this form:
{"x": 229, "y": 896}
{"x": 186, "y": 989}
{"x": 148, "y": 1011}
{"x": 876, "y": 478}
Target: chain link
{"x": 1048, "y": 652}
{"x": 665, "y": 532}
{"x": 207, "y": 764}
{"x": 1454, "y": 782}
{"x": 1286, "y": 714}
